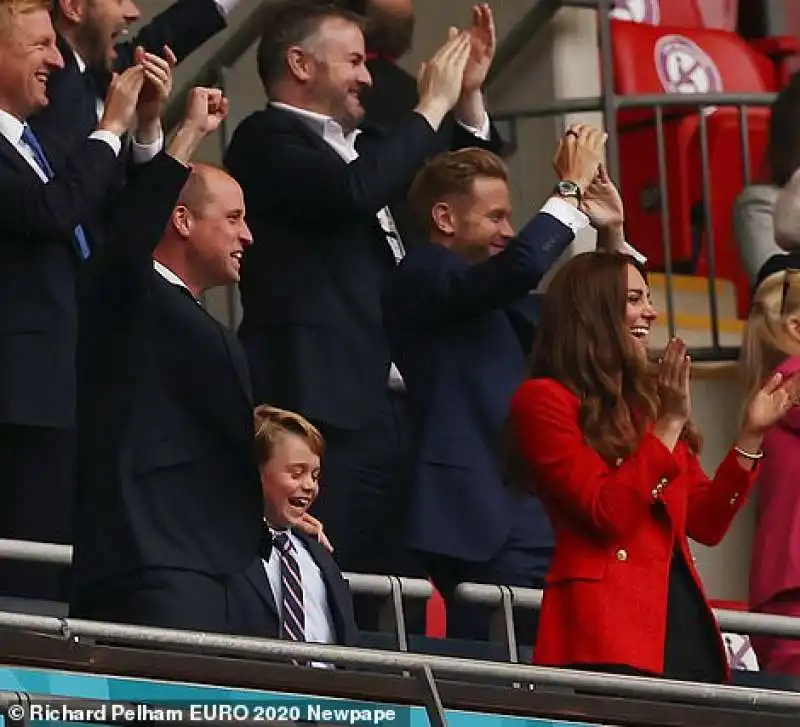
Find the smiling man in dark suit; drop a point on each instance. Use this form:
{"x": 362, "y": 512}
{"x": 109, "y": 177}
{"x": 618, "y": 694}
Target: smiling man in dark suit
{"x": 460, "y": 322}
{"x": 42, "y": 249}
{"x": 324, "y": 195}
{"x": 169, "y": 506}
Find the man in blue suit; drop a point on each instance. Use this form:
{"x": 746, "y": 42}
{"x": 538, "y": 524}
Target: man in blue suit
{"x": 460, "y": 322}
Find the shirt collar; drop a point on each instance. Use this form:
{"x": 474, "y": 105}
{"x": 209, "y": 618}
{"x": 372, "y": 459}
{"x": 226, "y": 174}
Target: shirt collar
{"x": 81, "y": 63}
{"x": 168, "y": 275}
{"x": 322, "y": 124}
{"x": 11, "y": 127}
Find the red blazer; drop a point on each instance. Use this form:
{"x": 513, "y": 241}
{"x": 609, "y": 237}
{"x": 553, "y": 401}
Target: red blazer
{"x": 606, "y": 595}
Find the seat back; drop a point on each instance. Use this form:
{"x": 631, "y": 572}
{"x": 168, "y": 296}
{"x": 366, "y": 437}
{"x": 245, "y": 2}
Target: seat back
{"x": 683, "y": 13}
{"x": 673, "y": 60}
{"x": 685, "y": 61}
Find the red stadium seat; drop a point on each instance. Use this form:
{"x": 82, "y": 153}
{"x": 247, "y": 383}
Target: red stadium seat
{"x": 682, "y": 13}
{"x": 687, "y": 61}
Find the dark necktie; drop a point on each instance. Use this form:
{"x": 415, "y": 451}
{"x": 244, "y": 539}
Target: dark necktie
{"x": 293, "y": 619}
{"x": 81, "y": 243}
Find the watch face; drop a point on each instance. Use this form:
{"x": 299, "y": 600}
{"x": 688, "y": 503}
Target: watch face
{"x": 568, "y": 188}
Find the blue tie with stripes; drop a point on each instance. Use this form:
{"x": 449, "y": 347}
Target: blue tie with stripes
{"x": 30, "y": 140}
{"x": 293, "y": 618}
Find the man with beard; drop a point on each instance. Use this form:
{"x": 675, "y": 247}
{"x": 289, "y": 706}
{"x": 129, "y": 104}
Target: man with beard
{"x": 88, "y": 31}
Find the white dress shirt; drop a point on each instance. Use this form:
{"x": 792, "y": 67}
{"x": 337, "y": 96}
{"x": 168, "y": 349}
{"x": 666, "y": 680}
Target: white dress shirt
{"x": 344, "y": 145}
{"x": 319, "y": 628}
{"x": 11, "y": 128}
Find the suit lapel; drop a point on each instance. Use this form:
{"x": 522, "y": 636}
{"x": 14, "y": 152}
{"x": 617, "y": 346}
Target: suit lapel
{"x": 257, "y": 577}
{"x": 16, "y": 160}
{"x": 238, "y": 361}
{"x": 332, "y": 579}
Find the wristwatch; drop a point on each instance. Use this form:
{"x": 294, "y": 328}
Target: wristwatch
{"x": 568, "y": 190}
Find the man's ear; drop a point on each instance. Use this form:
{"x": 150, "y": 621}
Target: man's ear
{"x": 72, "y": 10}
{"x": 442, "y": 216}
{"x": 300, "y": 62}
{"x": 182, "y": 220}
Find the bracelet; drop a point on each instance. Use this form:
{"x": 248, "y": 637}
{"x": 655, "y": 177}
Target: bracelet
{"x": 748, "y": 455}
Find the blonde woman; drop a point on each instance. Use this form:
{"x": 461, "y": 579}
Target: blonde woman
{"x": 772, "y": 343}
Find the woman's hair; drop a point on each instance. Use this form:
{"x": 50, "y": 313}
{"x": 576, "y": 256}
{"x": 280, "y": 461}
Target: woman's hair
{"x": 783, "y": 150}
{"x": 767, "y": 342}
{"x": 584, "y": 343}
{"x": 271, "y": 423}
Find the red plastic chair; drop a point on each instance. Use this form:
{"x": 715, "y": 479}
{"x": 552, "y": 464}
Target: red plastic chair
{"x": 683, "y": 13}
{"x": 687, "y": 14}
{"x": 677, "y": 61}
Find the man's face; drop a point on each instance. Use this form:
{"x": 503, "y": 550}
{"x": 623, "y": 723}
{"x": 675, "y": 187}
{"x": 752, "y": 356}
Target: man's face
{"x": 338, "y": 74}
{"x": 479, "y": 222}
{"x": 104, "y": 21}
{"x": 28, "y": 54}
{"x": 219, "y": 234}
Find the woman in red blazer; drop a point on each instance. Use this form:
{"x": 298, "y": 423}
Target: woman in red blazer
{"x": 606, "y": 437}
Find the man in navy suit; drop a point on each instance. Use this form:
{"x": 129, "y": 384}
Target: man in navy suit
{"x": 42, "y": 211}
{"x": 460, "y": 320}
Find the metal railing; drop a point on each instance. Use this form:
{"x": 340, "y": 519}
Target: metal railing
{"x": 396, "y": 590}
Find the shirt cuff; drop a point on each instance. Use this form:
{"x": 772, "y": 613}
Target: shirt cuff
{"x": 565, "y": 213}
{"x": 634, "y": 253}
{"x": 225, "y": 6}
{"x": 143, "y": 153}
{"x": 484, "y": 131}
{"x": 109, "y": 138}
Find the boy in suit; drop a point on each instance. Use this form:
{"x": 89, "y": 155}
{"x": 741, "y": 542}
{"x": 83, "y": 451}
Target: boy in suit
{"x": 307, "y": 599}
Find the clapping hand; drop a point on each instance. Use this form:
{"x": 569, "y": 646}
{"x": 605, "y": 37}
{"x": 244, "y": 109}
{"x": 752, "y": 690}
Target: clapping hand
{"x": 483, "y": 44}
{"x": 674, "y": 378}
{"x": 156, "y": 88}
{"x": 772, "y": 402}
{"x": 602, "y": 203}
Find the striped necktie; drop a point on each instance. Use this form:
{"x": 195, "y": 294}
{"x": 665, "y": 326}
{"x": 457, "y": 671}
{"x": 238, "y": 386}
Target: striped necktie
{"x": 30, "y": 140}
{"x": 293, "y": 618}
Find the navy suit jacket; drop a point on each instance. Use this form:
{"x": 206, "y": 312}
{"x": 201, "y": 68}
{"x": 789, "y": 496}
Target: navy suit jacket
{"x": 460, "y": 335}
{"x": 311, "y": 284}
{"x": 340, "y": 601}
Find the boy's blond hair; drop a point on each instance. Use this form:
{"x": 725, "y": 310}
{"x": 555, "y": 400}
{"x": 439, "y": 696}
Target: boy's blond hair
{"x": 271, "y": 422}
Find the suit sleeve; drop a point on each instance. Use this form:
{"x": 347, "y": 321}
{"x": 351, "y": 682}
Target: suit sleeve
{"x": 611, "y": 501}
{"x": 35, "y": 211}
{"x": 184, "y": 26}
{"x": 143, "y": 212}
{"x": 437, "y": 297}
{"x": 462, "y": 138}
{"x": 713, "y": 503}
{"x": 297, "y": 179}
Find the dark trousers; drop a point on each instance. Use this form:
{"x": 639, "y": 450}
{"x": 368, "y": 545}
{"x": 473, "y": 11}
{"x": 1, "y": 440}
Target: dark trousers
{"x": 514, "y": 565}
{"x": 174, "y": 599}
{"x": 37, "y": 494}
{"x": 363, "y": 500}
